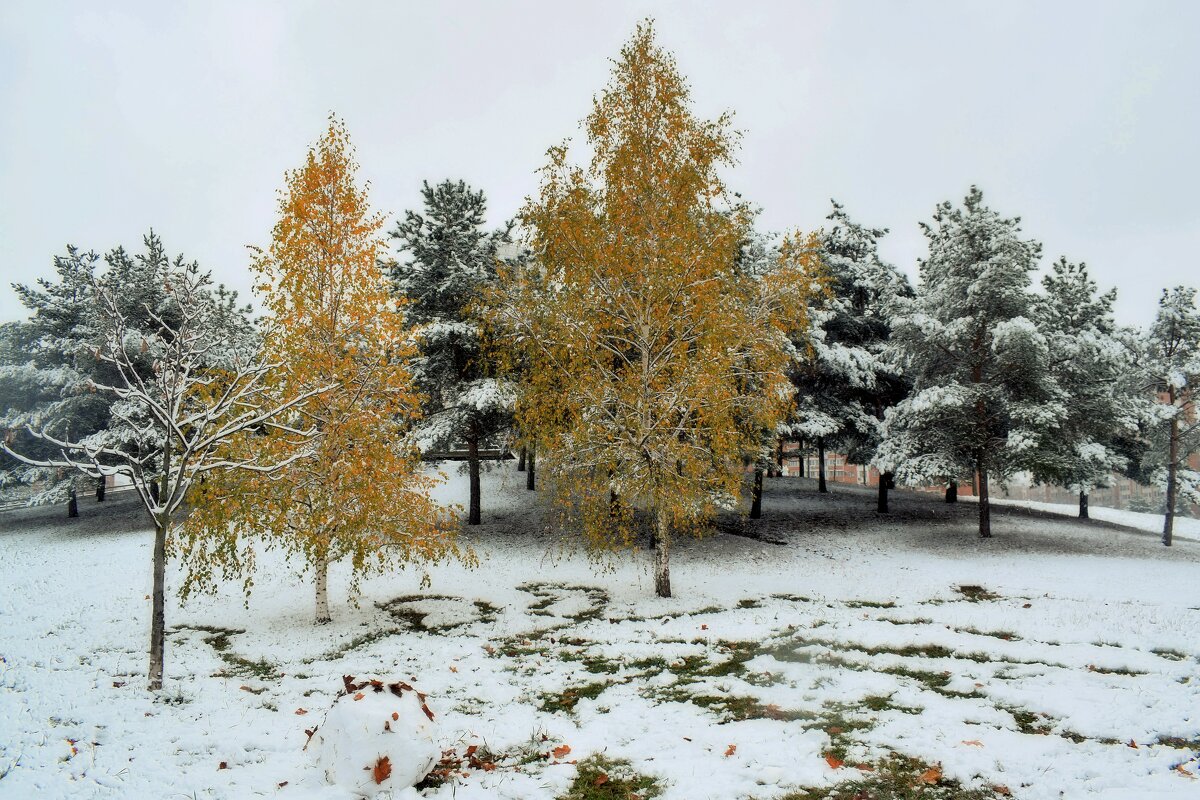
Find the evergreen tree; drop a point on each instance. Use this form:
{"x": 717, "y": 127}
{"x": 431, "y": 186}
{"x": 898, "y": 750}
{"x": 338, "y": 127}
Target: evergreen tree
{"x": 843, "y": 379}
{"x": 976, "y": 359}
{"x": 1098, "y": 406}
{"x": 451, "y": 265}
{"x": 1173, "y": 366}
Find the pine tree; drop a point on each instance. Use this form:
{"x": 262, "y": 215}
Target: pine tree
{"x": 1098, "y": 407}
{"x": 977, "y": 361}
{"x": 452, "y": 264}
{"x": 655, "y": 364}
{"x": 1172, "y": 361}
{"x": 843, "y": 380}
{"x": 356, "y": 491}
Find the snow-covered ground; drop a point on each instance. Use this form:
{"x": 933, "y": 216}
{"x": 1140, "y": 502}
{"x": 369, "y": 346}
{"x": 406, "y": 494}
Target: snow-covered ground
{"x": 820, "y": 639}
{"x": 1185, "y": 527}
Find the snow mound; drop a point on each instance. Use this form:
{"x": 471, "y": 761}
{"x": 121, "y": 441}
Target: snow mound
{"x": 377, "y": 736}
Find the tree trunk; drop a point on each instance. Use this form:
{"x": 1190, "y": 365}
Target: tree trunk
{"x": 322, "y": 583}
{"x": 521, "y": 460}
{"x": 72, "y": 504}
{"x": 158, "y": 603}
{"x": 1172, "y": 471}
{"x": 531, "y": 468}
{"x": 756, "y": 495}
{"x": 1083, "y": 505}
{"x": 154, "y": 492}
{"x": 885, "y": 479}
{"x": 100, "y": 487}
{"x": 952, "y": 492}
{"x": 821, "y": 487}
{"x": 473, "y": 469}
{"x": 985, "y": 508}
{"x": 662, "y": 555}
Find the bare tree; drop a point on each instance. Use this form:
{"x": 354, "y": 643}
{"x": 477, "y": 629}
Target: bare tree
{"x": 185, "y": 384}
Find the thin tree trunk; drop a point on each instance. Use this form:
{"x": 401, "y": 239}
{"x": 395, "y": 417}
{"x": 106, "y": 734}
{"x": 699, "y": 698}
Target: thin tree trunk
{"x": 1083, "y": 505}
{"x": 885, "y": 479}
{"x": 521, "y": 460}
{"x": 985, "y": 508}
{"x": 473, "y": 469}
{"x": 158, "y": 602}
{"x": 1172, "y": 472}
{"x": 72, "y": 504}
{"x": 322, "y": 584}
{"x": 100, "y": 487}
{"x": 821, "y": 487}
{"x": 531, "y": 468}
{"x": 662, "y": 555}
{"x": 154, "y": 492}
{"x": 756, "y": 495}
{"x": 952, "y": 492}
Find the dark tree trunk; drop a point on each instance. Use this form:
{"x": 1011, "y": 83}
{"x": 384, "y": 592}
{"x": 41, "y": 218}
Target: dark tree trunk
{"x": 521, "y": 460}
{"x": 821, "y": 487}
{"x": 1083, "y": 505}
{"x": 885, "y": 483}
{"x": 157, "y": 604}
{"x": 756, "y": 495}
{"x": 100, "y": 487}
{"x": 1172, "y": 472}
{"x": 154, "y": 491}
{"x": 662, "y": 555}
{"x": 952, "y": 492}
{"x": 531, "y": 468}
{"x": 72, "y": 504}
{"x": 985, "y": 508}
{"x": 473, "y": 470}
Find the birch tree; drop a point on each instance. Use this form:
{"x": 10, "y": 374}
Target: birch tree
{"x": 655, "y": 365}
{"x": 357, "y": 492}
{"x": 168, "y": 424}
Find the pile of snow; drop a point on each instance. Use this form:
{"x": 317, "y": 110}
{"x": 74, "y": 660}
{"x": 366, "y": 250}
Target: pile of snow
{"x": 377, "y": 736}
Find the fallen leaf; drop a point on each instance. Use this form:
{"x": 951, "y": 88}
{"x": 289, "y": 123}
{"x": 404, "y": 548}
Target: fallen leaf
{"x": 833, "y": 761}
{"x": 1132, "y": 744}
{"x": 730, "y": 750}
{"x": 282, "y": 784}
{"x": 223, "y": 765}
{"x": 300, "y": 712}
{"x": 931, "y": 775}
{"x": 1027, "y": 605}
{"x": 601, "y": 779}
{"x": 561, "y": 751}
{"x": 864, "y": 767}
{"x": 395, "y": 715}
{"x": 453, "y": 668}
{"x": 1002, "y": 790}
{"x": 118, "y": 684}
{"x": 359, "y": 696}
{"x": 383, "y": 770}
{"x": 489, "y": 649}
{"x": 973, "y": 742}
{"x": 1184, "y": 771}
{"x": 703, "y": 627}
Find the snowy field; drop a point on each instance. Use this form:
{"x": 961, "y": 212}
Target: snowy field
{"x": 817, "y": 647}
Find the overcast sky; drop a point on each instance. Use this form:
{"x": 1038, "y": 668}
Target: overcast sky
{"x": 1081, "y": 117}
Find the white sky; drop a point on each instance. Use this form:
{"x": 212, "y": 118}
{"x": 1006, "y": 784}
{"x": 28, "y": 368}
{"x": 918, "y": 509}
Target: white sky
{"x": 1081, "y": 117}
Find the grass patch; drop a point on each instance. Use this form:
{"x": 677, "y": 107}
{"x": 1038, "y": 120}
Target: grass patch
{"x": 1169, "y": 654}
{"x": 869, "y": 604}
{"x": 897, "y": 778}
{"x": 975, "y": 593}
{"x": 565, "y": 701}
{"x": 235, "y": 665}
{"x": 357, "y": 643}
{"x": 601, "y": 778}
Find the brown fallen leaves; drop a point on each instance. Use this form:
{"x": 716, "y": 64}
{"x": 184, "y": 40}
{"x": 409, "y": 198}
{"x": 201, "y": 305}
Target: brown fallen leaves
{"x": 931, "y": 775}
{"x": 833, "y": 761}
{"x": 730, "y": 750}
{"x": 383, "y": 770}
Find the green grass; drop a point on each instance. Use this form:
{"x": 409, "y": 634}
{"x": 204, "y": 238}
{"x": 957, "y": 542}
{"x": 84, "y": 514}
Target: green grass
{"x": 600, "y": 778}
{"x": 235, "y": 665}
{"x": 976, "y": 593}
{"x": 566, "y": 700}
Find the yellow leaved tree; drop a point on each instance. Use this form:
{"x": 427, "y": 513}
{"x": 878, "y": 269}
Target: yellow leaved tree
{"x": 360, "y": 494}
{"x": 653, "y": 361}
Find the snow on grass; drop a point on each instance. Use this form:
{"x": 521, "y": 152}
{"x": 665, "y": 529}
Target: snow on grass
{"x": 864, "y": 652}
{"x": 1184, "y": 528}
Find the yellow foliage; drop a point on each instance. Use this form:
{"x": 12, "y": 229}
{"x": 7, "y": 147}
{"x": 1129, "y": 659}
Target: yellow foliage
{"x": 357, "y": 491}
{"x": 652, "y": 364}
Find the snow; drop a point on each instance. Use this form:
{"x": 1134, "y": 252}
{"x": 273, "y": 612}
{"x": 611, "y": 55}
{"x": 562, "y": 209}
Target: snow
{"x": 1084, "y": 641}
{"x": 1185, "y": 527}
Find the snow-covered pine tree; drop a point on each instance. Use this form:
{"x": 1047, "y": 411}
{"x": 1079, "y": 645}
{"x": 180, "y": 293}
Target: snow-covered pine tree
{"x": 451, "y": 264}
{"x": 1172, "y": 362}
{"x": 977, "y": 361}
{"x": 1099, "y": 410}
{"x": 843, "y": 379}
